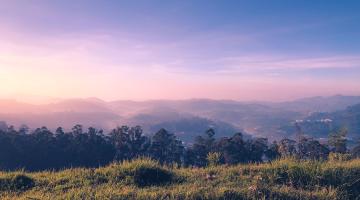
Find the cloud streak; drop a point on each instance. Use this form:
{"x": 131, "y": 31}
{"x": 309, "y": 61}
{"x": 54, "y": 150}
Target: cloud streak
{"x": 76, "y": 50}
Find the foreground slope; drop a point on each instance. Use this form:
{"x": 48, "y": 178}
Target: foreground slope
{"x": 146, "y": 179}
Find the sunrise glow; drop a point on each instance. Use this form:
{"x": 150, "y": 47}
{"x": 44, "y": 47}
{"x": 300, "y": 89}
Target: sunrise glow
{"x": 199, "y": 49}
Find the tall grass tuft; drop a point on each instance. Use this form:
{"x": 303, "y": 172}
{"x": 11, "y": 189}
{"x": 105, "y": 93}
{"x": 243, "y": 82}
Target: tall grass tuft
{"x": 146, "y": 179}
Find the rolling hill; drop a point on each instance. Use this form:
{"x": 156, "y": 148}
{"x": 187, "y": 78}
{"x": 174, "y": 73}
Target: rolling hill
{"x": 189, "y": 117}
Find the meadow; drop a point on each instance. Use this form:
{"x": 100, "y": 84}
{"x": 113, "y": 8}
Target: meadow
{"x": 146, "y": 179}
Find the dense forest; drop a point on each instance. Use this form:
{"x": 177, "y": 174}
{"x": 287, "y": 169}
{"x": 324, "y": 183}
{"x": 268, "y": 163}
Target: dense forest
{"x": 43, "y": 149}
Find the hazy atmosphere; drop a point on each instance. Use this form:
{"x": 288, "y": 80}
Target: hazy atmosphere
{"x": 141, "y": 50}
{"x": 180, "y": 99}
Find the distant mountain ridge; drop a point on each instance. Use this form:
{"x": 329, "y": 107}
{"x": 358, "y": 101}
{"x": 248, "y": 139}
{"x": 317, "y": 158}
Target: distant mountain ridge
{"x": 256, "y": 118}
{"x": 320, "y": 104}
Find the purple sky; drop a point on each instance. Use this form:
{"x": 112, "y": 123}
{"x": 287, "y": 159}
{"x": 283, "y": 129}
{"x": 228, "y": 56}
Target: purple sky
{"x": 243, "y": 50}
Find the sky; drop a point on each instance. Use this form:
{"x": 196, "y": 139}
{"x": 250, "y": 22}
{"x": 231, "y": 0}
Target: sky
{"x": 274, "y": 50}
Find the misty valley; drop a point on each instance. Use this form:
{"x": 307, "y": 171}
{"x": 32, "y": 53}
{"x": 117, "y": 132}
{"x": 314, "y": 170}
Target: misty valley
{"x": 316, "y": 116}
{"x": 179, "y": 100}
{"x": 253, "y": 149}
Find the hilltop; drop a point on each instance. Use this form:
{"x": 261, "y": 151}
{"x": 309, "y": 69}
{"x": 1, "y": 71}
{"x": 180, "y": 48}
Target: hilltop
{"x": 145, "y": 179}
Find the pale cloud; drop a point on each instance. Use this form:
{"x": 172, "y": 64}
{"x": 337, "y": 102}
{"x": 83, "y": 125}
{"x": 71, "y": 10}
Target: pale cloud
{"x": 282, "y": 62}
{"x": 115, "y": 65}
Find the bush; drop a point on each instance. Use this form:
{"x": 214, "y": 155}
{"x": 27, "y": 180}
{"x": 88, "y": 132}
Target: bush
{"x": 144, "y": 176}
{"x": 214, "y": 158}
{"x": 17, "y": 182}
{"x": 141, "y": 172}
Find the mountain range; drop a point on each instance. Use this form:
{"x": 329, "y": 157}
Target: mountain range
{"x": 188, "y": 118}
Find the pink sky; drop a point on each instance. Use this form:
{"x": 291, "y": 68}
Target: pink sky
{"x": 81, "y": 57}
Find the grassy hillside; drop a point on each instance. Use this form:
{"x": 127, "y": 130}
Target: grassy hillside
{"x": 146, "y": 179}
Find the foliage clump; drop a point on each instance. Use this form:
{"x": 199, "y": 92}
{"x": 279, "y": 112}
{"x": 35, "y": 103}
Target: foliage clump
{"x": 17, "y": 183}
{"x": 214, "y": 158}
{"x": 141, "y": 172}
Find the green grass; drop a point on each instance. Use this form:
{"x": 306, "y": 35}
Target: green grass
{"x": 146, "y": 179}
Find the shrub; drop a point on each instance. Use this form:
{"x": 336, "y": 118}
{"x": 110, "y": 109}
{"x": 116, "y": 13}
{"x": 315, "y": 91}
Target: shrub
{"x": 144, "y": 176}
{"x": 17, "y": 182}
{"x": 213, "y": 158}
{"x": 141, "y": 172}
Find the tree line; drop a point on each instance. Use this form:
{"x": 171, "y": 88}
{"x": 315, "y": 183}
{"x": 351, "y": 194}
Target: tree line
{"x": 43, "y": 149}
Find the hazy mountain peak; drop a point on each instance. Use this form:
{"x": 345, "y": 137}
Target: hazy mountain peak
{"x": 261, "y": 118}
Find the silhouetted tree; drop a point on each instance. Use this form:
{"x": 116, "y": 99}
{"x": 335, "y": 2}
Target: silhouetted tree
{"x": 42, "y": 149}
{"x": 59, "y": 131}
{"x": 197, "y": 154}
{"x": 287, "y": 147}
{"x": 77, "y": 129}
{"x": 256, "y": 149}
{"x": 129, "y": 142}
{"x": 273, "y": 151}
{"x": 337, "y": 141}
{"x": 308, "y": 148}
{"x": 233, "y": 150}
{"x": 166, "y": 148}
{"x": 24, "y": 129}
